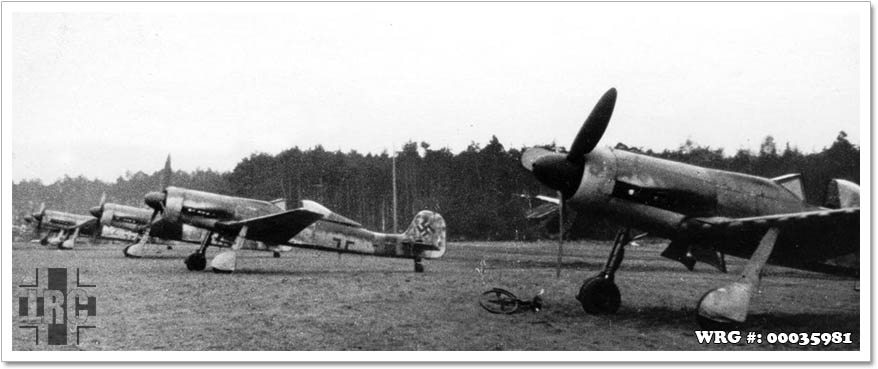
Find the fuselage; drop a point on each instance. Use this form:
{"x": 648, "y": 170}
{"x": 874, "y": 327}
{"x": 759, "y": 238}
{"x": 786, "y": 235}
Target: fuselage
{"x": 61, "y": 220}
{"x": 657, "y": 195}
{"x": 125, "y": 217}
{"x": 204, "y": 209}
{"x": 331, "y": 233}
{"x": 339, "y": 236}
{"x": 136, "y": 219}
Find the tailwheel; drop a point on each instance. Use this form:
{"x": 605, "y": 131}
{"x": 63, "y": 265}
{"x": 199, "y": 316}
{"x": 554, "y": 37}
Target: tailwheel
{"x": 599, "y": 295}
{"x": 196, "y": 262}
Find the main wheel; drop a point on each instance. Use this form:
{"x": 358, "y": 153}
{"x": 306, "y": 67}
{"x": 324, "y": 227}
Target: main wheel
{"x": 419, "y": 267}
{"x": 196, "y": 262}
{"x": 276, "y": 254}
{"x": 599, "y": 295}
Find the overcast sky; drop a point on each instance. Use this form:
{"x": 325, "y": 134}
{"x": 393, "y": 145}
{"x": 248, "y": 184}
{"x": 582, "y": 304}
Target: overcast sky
{"x": 102, "y": 93}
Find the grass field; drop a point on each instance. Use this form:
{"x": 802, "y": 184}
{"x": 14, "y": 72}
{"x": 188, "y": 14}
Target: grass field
{"x": 309, "y": 300}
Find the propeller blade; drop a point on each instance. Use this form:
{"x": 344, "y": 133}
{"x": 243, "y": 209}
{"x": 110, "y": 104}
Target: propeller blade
{"x": 593, "y": 128}
{"x": 152, "y": 219}
{"x": 560, "y": 234}
{"x": 166, "y": 173}
{"x": 42, "y": 213}
{"x": 155, "y": 200}
{"x": 531, "y": 155}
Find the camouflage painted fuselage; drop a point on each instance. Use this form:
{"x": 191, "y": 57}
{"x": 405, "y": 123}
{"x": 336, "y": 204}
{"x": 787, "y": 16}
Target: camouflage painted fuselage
{"x": 136, "y": 219}
{"x": 332, "y": 233}
{"x": 428, "y": 228}
{"x": 55, "y": 220}
{"x": 659, "y": 196}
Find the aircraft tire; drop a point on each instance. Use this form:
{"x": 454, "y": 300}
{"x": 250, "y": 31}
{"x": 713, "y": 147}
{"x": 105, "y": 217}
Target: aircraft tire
{"x": 276, "y": 254}
{"x": 599, "y": 295}
{"x": 419, "y": 268}
{"x": 196, "y": 262}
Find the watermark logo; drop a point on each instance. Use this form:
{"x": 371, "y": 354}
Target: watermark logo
{"x": 55, "y": 307}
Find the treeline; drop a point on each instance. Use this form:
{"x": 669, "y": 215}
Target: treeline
{"x": 478, "y": 190}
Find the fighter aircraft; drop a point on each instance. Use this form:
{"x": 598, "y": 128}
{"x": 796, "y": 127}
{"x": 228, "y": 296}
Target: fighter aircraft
{"x": 236, "y": 220}
{"x": 66, "y": 226}
{"x": 705, "y": 213}
{"x": 140, "y": 222}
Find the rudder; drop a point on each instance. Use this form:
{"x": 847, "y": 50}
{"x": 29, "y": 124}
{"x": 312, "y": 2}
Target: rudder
{"x": 428, "y": 228}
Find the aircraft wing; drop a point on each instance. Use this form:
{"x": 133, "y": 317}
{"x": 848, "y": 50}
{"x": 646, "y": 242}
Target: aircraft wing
{"x": 275, "y": 228}
{"x": 808, "y": 240}
{"x": 823, "y": 217}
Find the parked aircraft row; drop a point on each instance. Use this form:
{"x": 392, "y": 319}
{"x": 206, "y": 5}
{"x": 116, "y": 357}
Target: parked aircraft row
{"x": 705, "y": 213}
{"x": 209, "y": 219}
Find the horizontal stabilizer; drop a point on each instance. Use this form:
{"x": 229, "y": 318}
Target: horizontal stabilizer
{"x": 425, "y": 247}
{"x": 274, "y": 228}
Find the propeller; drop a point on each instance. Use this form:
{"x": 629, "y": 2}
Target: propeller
{"x": 560, "y": 235}
{"x": 593, "y": 128}
{"x": 564, "y": 172}
{"x": 37, "y": 217}
{"x": 98, "y": 212}
{"x": 156, "y": 199}
{"x": 167, "y": 172}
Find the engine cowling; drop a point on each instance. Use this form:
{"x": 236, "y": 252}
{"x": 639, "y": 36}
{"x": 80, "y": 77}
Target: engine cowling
{"x": 107, "y": 218}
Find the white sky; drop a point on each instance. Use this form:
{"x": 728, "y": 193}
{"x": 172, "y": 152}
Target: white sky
{"x": 99, "y": 93}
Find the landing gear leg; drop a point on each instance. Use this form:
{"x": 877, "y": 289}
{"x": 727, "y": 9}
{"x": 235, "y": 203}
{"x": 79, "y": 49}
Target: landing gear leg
{"x": 135, "y": 250}
{"x": 227, "y": 261}
{"x": 197, "y": 261}
{"x": 599, "y": 294}
{"x": 419, "y": 265}
{"x": 727, "y": 306}
{"x": 69, "y": 243}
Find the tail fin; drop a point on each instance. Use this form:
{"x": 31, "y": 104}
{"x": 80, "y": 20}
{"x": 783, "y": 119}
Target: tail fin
{"x": 428, "y": 229}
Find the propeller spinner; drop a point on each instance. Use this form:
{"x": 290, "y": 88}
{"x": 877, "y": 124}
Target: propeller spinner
{"x": 564, "y": 172}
